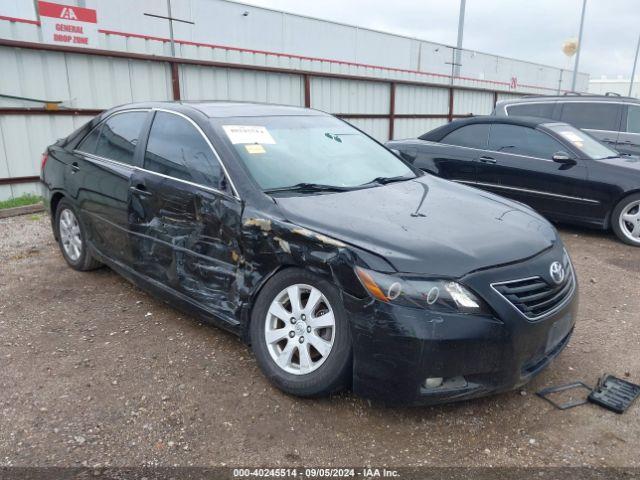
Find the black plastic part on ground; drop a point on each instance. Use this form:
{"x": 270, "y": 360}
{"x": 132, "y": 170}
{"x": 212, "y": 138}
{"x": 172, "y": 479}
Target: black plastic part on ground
{"x": 614, "y": 393}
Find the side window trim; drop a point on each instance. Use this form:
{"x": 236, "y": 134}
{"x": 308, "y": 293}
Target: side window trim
{"x": 519, "y": 154}
{"x": 208, "y": 142}
{"x": 143, "y": 132}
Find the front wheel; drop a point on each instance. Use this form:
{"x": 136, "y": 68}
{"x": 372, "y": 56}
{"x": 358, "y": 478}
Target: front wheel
{"x": 625, "y": 220}
{"x": 300, "y": 334}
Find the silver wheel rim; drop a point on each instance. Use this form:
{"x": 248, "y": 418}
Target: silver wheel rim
{"x": 300, "y": 329}
{"x": 630, "y": 221}
{"x": 70, "y": 235}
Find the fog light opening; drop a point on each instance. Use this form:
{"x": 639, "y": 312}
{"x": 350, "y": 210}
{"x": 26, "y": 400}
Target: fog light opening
{"x": 439, "y": 383}
{"x": 433, "y": 382}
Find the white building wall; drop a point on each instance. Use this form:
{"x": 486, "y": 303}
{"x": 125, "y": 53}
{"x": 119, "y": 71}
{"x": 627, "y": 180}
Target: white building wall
{"x": 262, "y": 38}
{"x": 619, "y": 86}
{"x": 221, "y": 23}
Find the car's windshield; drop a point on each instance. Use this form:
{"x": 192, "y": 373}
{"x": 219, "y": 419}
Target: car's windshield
{"x": 317, "y": 151}
{"x": 591, "y": 147}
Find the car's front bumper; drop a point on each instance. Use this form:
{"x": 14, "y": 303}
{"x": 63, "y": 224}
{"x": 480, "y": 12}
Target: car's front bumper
{"x": 397, "y": 348}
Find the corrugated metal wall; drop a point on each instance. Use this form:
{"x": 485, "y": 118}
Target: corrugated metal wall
{"x": 98, "y": 82}
{"x": 210, "y": 83}
{"x": 23, "y": 138}
{"x": 403, "y": 87}
{"x": 225, "y": 34}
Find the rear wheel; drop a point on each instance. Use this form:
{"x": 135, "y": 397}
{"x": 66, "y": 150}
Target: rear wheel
{"x": 72, "y": 239}
{"x": 625, "y": 220}
{"x": 300, "y": 334}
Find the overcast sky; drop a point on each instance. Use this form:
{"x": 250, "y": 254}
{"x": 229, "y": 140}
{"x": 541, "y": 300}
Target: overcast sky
{"x": 525, "y": 29}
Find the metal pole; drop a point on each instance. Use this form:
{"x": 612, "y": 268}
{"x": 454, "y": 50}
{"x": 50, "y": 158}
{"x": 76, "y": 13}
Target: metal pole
{"x": 635, "y": 62}
{"x": 456, "y": 61}
{"x": 173, "y": 44}
{"x": 575, "y": 68}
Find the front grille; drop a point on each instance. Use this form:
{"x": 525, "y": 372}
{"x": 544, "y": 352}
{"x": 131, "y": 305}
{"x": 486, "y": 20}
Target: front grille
{"x": 535, "y": 297}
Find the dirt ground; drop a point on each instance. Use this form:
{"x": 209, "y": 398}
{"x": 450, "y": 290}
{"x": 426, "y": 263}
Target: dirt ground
{"x": 96, "y": 372}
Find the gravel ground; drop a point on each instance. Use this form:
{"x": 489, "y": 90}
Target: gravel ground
{"x": 96, "y": 372}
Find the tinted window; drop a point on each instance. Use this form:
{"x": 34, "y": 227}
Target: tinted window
{"x": 543, "y": 110}
{"x": 88, "y": 143}
{"x": 584, "y": 142}
{"x": 598, "y": 116}
{"x": 522, "y": 141}
{"x": 119, "y": 136}
{"x": 633, "y": 119}
{"x": 175, "y": 148}
{"x": 474, "y": 136}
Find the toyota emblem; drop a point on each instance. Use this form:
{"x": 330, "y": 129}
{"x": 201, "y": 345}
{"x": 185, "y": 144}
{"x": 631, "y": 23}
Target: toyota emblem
{"x": 556, "y": 270}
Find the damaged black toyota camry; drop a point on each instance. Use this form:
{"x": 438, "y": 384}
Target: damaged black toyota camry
{"x": 340, "y": 264}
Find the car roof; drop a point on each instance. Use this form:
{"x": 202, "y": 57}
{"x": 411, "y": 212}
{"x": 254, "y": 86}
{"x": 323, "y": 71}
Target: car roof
{"x": 222, "y": 109}
{"x": 439, "y": 133}
{"x": 609, "y": 98}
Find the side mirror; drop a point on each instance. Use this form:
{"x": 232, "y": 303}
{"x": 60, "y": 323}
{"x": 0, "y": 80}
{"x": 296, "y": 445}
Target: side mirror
{"x": 564, "y": 158}
{"x": 396, "y": 152}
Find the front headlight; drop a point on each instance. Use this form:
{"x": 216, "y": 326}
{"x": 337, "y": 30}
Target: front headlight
{"x": 433, "y": 294}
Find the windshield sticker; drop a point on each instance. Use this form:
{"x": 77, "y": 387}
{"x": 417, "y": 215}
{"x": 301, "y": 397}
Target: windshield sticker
{"x": 248, "y": 134}
{"x": 573, "y": 137}
{"x": 255, "y": 148}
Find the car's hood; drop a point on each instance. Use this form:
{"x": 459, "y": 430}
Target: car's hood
{"x": 631, "y": 162}
{"x": 427, "y": 225}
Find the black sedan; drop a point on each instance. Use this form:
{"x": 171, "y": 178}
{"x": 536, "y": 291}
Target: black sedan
{"x": 560, "y": 171}
{"x": 337, "y": 261}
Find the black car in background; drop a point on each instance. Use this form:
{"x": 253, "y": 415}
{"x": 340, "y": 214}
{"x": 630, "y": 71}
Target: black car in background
{"x": 337, "y": 261}
{"x": 560, "y": 171}
{"x": 610, "y": 118}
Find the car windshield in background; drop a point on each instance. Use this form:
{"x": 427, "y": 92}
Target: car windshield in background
{"x": 591, "y": 147}
{"x": 309, "y": 153}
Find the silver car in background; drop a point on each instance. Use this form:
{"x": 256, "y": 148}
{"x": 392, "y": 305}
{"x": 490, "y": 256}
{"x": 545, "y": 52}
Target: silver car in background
{"x": 610, "y": 118}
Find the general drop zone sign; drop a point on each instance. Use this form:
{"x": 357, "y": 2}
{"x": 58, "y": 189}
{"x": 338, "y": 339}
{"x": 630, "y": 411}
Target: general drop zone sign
{"x": 68, "y": 25}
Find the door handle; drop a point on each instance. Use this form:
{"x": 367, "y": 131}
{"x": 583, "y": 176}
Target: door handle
{"x": 140, "y": 190}
{"x": 75, "y": 167}
{"x": 484, "y": 159}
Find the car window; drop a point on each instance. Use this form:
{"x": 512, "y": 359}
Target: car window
{"x": 584, "y": 142}
{"x": 284, "y": 151}
{"x": 522, "y": 141}
{"x": 88, "y": 143}
{"x": 176, "y": 149}
{"x": 597, "y": 116}
{"x": 119, "y": 136}
{"x": 542, "y": 110}
{"x": 473, "y": 136}
{"x": 633, "y": 119}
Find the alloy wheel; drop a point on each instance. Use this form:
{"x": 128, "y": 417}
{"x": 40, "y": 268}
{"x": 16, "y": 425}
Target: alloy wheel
{"x": 630, "y": 221}
{"x": 300, "y": 329}
{"x": 70, "y": 235}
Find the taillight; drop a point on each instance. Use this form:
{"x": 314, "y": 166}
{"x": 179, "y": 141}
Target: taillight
{"x": 43, "y": 161}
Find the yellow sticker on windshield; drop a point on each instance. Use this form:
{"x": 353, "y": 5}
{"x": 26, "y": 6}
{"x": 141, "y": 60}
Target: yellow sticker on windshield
{"x": 255, "y": 148}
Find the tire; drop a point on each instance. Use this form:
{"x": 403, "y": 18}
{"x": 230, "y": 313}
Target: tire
{"x": 317, "y": 375}
{"x": 625, "y": 220}
{"x": 68, "y": 233}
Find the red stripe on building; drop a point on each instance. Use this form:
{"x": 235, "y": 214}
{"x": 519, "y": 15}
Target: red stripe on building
{"x": 67, "y": 12}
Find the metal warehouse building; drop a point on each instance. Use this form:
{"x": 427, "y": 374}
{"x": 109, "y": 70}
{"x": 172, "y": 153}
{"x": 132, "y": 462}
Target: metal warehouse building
{"x": 64, "y": 63}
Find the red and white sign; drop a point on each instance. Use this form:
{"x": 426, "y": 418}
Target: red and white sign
{"x": 68, "y": 25}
